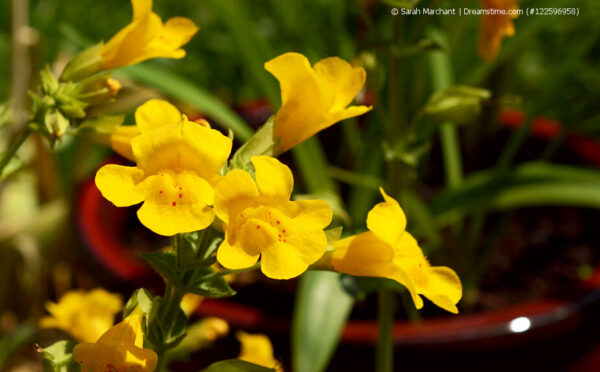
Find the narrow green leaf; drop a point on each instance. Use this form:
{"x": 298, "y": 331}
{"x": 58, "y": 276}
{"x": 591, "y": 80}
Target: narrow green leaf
{"x": 236, "y": 365}
{"x": 11, "y": 342}
{"x": 215, "y": 286}
{"x": 59, "y": 357}
{"x": 322, "y": 309}
{"x": 165, "y": 263}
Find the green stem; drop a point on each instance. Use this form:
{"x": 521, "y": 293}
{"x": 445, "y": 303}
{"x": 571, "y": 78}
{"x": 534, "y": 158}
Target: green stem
{"x": 14, "y": 147}
{"x": 397, "y": 173}
{"x": 385, "y": 323}
{"x": 229, "y": 272}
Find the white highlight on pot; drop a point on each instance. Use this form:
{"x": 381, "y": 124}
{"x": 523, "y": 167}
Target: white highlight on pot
{"x": 520, "y": 324}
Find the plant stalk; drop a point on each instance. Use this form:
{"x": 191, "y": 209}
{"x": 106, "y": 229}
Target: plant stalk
{"x": 14, "y": 146}
{"x": 385, "y": 322}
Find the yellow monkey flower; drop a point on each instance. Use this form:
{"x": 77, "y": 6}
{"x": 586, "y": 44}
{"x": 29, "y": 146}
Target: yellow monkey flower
{"x": 84, "y": 315}
{"x": 313, "y": 98}
{"x": 260, "y": 220}
{"x": 388, "y": 251}
{"x": 147, "y": 37}
{"x": 257, "y": 349}
{"x": 178, "y": 163}
{"x": 494, "y": 27}
{"x": 119, "y": 349}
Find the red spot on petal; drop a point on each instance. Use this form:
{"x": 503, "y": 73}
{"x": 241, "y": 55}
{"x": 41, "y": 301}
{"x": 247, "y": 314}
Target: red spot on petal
{"x": 279, "y": 235}
{"x": 285, "y": 240}
{"x": 174, "y": 204}
{"x": 258, "y": 226}
{"x": 160, "y": 192}
{"x": 283, "y": 231}
{"x": 179, "y": 187}
{"x": 278, "y": 222}
{"x": 180, "y": 196}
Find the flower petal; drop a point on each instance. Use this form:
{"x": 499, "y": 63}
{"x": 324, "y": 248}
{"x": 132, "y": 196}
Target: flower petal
{"x": 141, "y": 8}
{"x": 346, "y": 81}
{"x": 184, "y": 146}
{"x": 315, "y": 214}
{"x": 234, "y": 256}
{"x": 282, "y": 261}
{"x": 156, "y": 113}
{"x": 234, "y": 192}
{"x": 291, "y": 70}
{"x": 177, "y": 32}
{"x": 120, "y": 140}
{"x": 387, "y": 220}
{"x": 176, "y": 204}
{"x": 273, "y": 177}
{"x": 363, "y": 255}
{"x": 119, "y": 184}
{"x": 444, "y": 288}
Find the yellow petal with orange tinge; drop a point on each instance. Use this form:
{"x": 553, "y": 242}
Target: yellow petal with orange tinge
{"x": 156, "y": 113}
{"x": 273, "y": 177}
{"x": 313, "y": 98}
{"x": 234, "y": 256}
{"x": 234, "y": 192}
{"x": 495, "y": 27}
{"x": 387, "y": 220}
{"x": 120, "y": 184}
{"x": 177, "y": 203}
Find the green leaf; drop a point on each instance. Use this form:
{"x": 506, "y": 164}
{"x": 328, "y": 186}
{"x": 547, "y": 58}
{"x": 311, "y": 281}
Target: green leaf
{"x": 11, "y": 342}
{"x": 165, "y": 263}
{"x": 214, "y": 287}
{"x": 531, "y": 184}
{"x": 322, "y": 309}
{"x": 142, "y": 298}
{"x": 59, "y": 357}
{"x": 103, "y": 124}
{"x": 184, "y": 90}
{"x": 14, "y": 164}
{"x": 458, "y": 104}
{"x": 236, "y": 365}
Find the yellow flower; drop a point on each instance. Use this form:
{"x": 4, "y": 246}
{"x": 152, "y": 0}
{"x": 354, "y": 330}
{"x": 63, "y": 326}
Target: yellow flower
{"x": 263, "y": 221}
{"x": 120, "y": 140}
{"x": 147, "y": 37}
{"x": 119, "y": 349}
{"x": 85, "y": 316}
{"x": 178, "y": 163}
{"x": 388, "y": 251}
{"x": 494, "y": 27}
{"x": 313, "y": 98}
{"x": 257, "y": 349}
